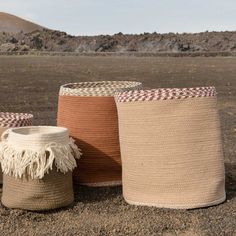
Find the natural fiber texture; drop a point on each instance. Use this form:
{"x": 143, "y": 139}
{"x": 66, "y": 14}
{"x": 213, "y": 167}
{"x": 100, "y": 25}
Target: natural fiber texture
{"x": 92, "y": 122}
{"x": 171, "y": 150}
{"x": 37, "y": 162}
{"x": 8, "y": 119}
{"x": 98, "y": 88}
{"x": 55, "y": 190}
{"x": 1, "y": 132}
{"x": 165, "y": 94}
{"x": 32, "y": 151}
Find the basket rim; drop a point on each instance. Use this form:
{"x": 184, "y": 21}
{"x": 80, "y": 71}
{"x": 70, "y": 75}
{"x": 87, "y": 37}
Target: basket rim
{"x": 10, "y": 119}
{"x": 98, "y": 88}
{"x": 45, "y": 130}
{"x": 165, "y": 94}
{"x": 107, "y": 83}
{"x": 16, "y": 116}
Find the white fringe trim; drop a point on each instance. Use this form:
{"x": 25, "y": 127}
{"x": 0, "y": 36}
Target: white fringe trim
{"x": 35, "y": 164}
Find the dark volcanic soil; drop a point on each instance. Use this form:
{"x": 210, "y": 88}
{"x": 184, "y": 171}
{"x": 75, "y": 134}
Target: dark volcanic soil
{"x": 31, "y": 84}
{"x": 48, "y": 41}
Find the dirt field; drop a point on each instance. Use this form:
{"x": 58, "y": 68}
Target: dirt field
{"x": 31, "y": 84}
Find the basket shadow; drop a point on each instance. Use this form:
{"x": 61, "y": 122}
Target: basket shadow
{"x": 103, "y": 169}
{"x": 230, "y": 170}
{"x": 87, "y": 194}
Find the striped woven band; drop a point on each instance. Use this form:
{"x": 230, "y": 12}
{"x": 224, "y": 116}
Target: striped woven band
{"x": 165, "y": 94}
{"x": 100, "y": 88}
{"x": 8, "y": 119}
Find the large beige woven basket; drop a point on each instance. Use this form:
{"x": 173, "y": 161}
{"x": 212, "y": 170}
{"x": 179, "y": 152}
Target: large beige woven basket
{"x": 8, "y": 120}
{"x": 37, "y": 162}
{"x": 171, "y": 147}
{"x": 88, "y": 110}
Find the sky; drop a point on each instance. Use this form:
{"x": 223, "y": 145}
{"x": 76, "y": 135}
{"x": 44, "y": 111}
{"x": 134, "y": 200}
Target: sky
{"x": 93, "y": 17}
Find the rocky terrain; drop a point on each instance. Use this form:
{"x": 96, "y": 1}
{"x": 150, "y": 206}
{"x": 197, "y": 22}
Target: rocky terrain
{"x": 51, "y": 41}
{"x": 18, "y": 35}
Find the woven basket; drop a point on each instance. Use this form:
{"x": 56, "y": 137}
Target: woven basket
{"x": 88, "y": 110}
{"x": 171, "y": 147}
{"x": 37, "y": 164}
{"x": 8, "y": 120}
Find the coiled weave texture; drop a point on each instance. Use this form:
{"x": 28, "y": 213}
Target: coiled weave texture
{"x": 88, "y": 110}
{"x": 8, "y": 120}
{"x": 98, "y": 88}
{"x": 171, "y": 147}
{"x": 37, "y": 163}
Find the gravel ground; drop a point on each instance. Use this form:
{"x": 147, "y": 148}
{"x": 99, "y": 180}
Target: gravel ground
{"x": 31, "y": 84}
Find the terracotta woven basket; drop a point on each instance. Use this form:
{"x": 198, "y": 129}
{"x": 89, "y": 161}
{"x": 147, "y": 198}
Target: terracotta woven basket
{"x": 8, "y": 120}
{"x": 171, "y": 147}
{"x": 37, "y": 162}
{"x": 88, "y": 110}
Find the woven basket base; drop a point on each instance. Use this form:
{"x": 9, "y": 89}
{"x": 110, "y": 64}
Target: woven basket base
{"x": 55, "y": 190}
{"x": 103, "y": 184}
{"x": 176, "y": 206}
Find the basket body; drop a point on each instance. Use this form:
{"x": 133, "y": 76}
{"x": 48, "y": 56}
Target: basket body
{"x": 93, "y": 123}
{"x": 37, "y": 162}
{"x": 54, "y": 190}
{"x": 91, "y": 117}
{"x": 9, "y": 120}
{"x": 171, "y": 149}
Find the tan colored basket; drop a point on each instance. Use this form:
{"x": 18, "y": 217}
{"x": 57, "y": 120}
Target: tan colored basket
{"x": 88, "y": 110}
{"x": 8, "y": 120}
{"x": 37, "y": 162}
{"x": 52, "y": 191}
{"x": 171, "y": 148}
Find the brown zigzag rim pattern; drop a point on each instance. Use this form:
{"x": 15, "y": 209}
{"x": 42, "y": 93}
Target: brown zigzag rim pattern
{"x": 8, "y": 119}
{"x": 165, "y": 94}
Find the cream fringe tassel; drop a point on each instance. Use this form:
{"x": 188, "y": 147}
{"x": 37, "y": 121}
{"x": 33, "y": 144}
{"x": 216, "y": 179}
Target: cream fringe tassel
{"x": 35, "y": 164}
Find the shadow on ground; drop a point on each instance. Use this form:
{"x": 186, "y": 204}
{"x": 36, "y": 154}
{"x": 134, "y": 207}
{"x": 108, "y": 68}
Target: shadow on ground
{"x": 230, "y": 170}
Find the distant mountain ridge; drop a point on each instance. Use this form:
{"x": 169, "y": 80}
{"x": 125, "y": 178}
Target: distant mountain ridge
{"x": 13, "y": 24}
{"x": 17, "y": 35}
